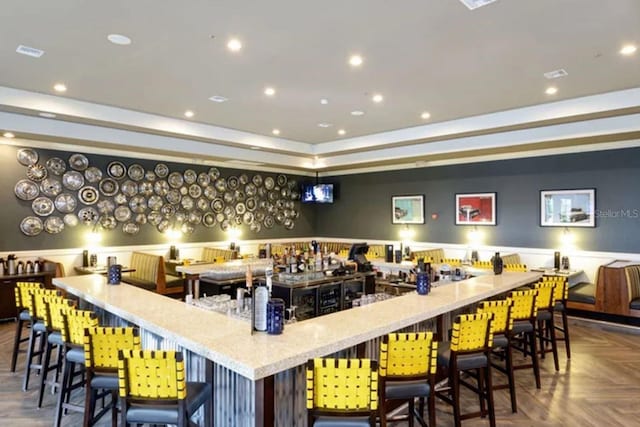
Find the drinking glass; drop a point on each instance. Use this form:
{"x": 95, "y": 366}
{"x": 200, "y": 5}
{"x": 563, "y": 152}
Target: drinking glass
{"x": 292, "y": 314}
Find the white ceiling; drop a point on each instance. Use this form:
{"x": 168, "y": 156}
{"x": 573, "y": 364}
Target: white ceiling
{"x": 479, "y": 73}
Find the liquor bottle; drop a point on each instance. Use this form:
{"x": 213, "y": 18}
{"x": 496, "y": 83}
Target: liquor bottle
{"x": 497, "y": 264}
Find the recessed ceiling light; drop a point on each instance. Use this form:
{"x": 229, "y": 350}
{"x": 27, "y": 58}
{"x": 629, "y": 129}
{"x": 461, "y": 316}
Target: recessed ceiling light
{"x": 555, "y": 74}
{"x": 276, "y": 131}
{"x": 324, "y": 125}
{"x": 119, "y": 39}
{"x": 324, "y": 101}
{"x": 269, "y": 91}
{"x": 29, "y": 51}
{"x": 47, "y": 115}
{"x": 8, "y": 135}
{"x": 474, "y": 4}
{"x": 189, "y": 114}
{"x": 234, "y": 45}
{"x": 425, "y": 115}
{"x": 377, "y": 98}
{"x": 341, "y": 131}
{"x": 628, "y": 49}
{"x": 551, "y": 90}
{"x": 60, "y": 87}
{"x": 357, "y": 113}
{"x": 355, "y": 60}
{"x": 218, "y": 98}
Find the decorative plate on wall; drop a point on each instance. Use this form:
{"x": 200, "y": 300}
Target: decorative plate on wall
{"x": 257, "y": 180}
{"x": 88, "y": 216}
{"x": 122, "y": 213}
{"x": 145, "y": 188}
{"x": 161, "y": 170}
{"x": 116, "y": 170}
{"x": 108, "y": 222}
{"x": 161, "y": 188}
{"x": 173, "y": 197}
{"x": 66, "y": 203}
{"x": 190, "y": 176}
{"x": 204, "y": 179}
{"x": 131, "y": 228}
{"x": 209, "y": 220}
{"x": 56, "y": 166}
{"x": 42, "y": 206}
{"x": 92, "y": 174}
{"x": 73, "y": 180}
{"x": 88, "y": 195}
{"x": 71, "y": 220}
{"x": 214, "y": 173}
{"x": 136, "y": 172}
{"x": 129, "y": 188}
{"x": 36, "y": 172}
{"x": 120, "y": 199}
{"x": 108, "y": 186}
{"x": 175, "y": 179}
{"x": 27, "y": 157}
{"x": 53, "y": 225}
{"x": 210, "y": 192}
{"x": 150, "y": 175}
{"x": 232, "y": 182}
{"x": 78, "y": 162}
{"x": 105, "y": 206}
{"x": 31, "y": 226}
{"x": 26, "y": 189}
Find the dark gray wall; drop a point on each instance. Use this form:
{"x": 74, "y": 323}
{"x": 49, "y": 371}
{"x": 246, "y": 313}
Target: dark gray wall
{"x": 12, "y": 210}
{"x": 363, "y": 209}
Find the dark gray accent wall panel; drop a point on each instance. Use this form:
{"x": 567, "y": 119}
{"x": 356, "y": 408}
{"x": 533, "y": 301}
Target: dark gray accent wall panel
{"x": 12, "y": 210}
{"x": 363, "y": 209}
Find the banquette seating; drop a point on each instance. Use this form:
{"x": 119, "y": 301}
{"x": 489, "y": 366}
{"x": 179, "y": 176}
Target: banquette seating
{"x": 150, "y": 274}
{"x": 217, "y": 254}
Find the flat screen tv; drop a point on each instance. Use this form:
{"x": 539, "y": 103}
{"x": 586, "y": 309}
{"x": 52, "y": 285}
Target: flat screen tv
{"x": 318, "y": 193}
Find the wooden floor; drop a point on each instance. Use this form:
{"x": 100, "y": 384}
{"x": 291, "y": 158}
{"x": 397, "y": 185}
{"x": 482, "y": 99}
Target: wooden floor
{"x": 599, "y": 386}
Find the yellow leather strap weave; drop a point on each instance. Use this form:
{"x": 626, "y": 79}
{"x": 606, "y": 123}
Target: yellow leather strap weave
{"x": 545, "y": 299}
{"x": 524, "y": 304}
{"x": 23, "y": 293}
{"x": 405, "y": 354}
{"x": 501, "y": 310}
{"x": 151, "y": 375}
{"x": 101, "y": 345}
{"x": 75, "y": 322}
{"x": 472, "y": 332}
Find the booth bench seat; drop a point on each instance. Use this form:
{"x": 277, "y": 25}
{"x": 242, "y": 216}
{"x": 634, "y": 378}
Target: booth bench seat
{"x": 150, "y": 274}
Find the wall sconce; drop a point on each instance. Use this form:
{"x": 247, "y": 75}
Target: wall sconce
{"x": 406, "y": 234}
{"x": 474, "y": 237}
{"x": 94, "y": 237}
{"x": 567, "y": 240}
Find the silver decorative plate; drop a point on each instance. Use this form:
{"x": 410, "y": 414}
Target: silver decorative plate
{"x": 129, "y": 188}
{"x": 108, "y": 186}
{"x": 190, "y": 176}
{"x": 136, "y": 172}
{"x": 31, "y": 226}
{"x": 88, "y": 195}
{"x": 88, "y": 215}
{"x": 78, "y": 162}
{"x": 36, "y": 172}
{"x": 26, "y": 189}
{"x": 161, "y": 170}
{"x": 161, "y": 188}
{"x": 71, "y": 220}
{"x": 269, "y": 183}
{"x": 53, "y": 225}
{"x": 131, "y": 228}
{"x": 92, "y": 174}
{"x": 66, "y": 203}
{"x": 214, "y": 173}
{"x": 42, "y": 206}
{"x": 116, "y": 170}
{"x": 204, "y": 179}
{"x": 73, "y": 180}
{"x": 175, "y": 179}
{"x": 27, "y": 157}
{"x": 105, "y": 206}
{"x": 122, "y": 213}
{"x": 56, "y": 166}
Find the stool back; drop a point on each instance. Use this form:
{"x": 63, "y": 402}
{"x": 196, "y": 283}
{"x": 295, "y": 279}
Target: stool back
{"x": 39, "y": 304}
{"x": 56, "y": 306}
{"x": 23, "y": 299}
{"x": 545, "y": 299}
{"x": 501, "y": 310}
{"x": 524, "y": 304}
{"x": 74, "y": 323}
{"x": 151, "y": 375}
{"x": 560, "y": 287}
{"x": 472, "y": 333}
{"x": 408, "y": 355}
{"x": 101, "y": 346}
{"x": 342, "y": 387}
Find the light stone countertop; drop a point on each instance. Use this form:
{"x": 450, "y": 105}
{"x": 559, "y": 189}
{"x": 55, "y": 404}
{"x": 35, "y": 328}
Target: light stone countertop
{"x": 229, "y": 342}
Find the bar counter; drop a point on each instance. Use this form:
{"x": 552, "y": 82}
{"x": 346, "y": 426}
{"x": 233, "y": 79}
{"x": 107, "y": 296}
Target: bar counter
{"x": 230, "y": 346}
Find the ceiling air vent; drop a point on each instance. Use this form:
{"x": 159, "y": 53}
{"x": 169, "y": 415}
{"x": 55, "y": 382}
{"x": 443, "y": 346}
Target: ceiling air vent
{"x": 30, "y": 51}
{"x": 474, "y": 4}
{"x": 555, "y": 74}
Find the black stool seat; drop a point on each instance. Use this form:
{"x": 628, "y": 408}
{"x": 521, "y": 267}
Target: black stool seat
{"x": 407, "y": 389}
{"x": 465, "y": 361}
{"x": 197, "y": 395}
{"x": 342, "y": 422}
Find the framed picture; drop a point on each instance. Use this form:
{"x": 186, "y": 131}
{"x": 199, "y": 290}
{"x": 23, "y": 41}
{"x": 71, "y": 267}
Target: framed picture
{"x": 568, "y": 208}
{"x": 407, "y": 209}
{"x": 476, "y": 209}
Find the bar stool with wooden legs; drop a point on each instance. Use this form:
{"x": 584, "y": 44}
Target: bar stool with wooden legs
{"x": 523, "y": 333}
{"x": 23, "y": 303}
{"x": 101, "y": 346}
{"x": 342, "y": 392}
{"x": 74, "y": 324}
{"x": 54, "y": 306}
{"x": 38, "y": 334}
{"x": 502, "y": 325}
{"x": 546, "y": 326}
{"x": 469, "y": 350}
{"x": 153, "y": 388}
{"x": 406, "y": 372}
{"x": 561, "y": 295}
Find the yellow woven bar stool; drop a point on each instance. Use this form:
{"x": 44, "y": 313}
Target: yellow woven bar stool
{"x": 546, "y": 329}
{"x": 101, "y": 346}
{"x": 54, "y": 306}
{"x": 502, "y": 326}
{"x": 23, "y": 303}
{"x": 342, "y": 392}
{"x": 38, "y": 333}
{"x": 407, "y": 372}
{"x": 153, "y": 388}
{"x": 523, "y": 333}
{"x": 469, "y": 350}
{"x": 74, "y": 323}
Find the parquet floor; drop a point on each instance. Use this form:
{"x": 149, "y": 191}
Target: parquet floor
{"x": 599, "y": 386}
